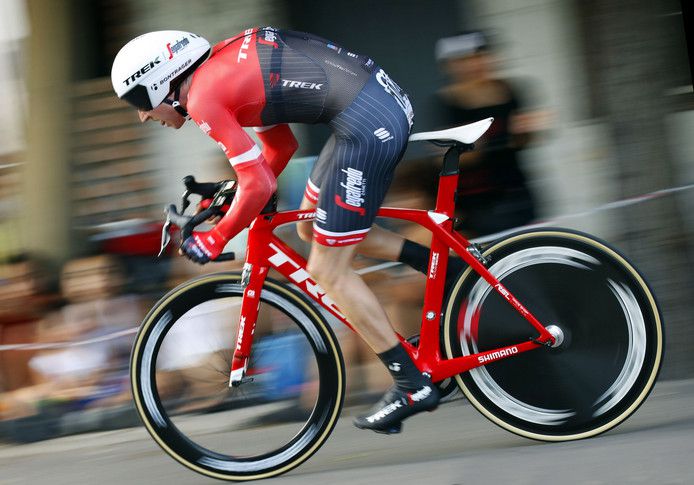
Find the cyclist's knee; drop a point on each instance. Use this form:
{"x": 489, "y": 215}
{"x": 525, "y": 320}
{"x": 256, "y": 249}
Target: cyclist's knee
{"x": 330, "y": 265}
{"x": 305, "y": 230}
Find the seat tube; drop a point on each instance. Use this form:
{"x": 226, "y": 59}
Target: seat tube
{"x": 429, "y": 351}
{"x": 252, "y": 279}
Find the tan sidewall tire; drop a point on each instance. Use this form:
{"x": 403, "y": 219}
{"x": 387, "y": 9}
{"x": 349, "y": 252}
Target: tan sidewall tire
{"x": 284, "y": 292}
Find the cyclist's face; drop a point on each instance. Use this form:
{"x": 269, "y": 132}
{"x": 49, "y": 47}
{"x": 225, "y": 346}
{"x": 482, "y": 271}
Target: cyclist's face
{"x": 164, "y": 114}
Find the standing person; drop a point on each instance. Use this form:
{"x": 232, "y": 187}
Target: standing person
{"x": 493, "y": 192}
{"x": 265, "y": 78}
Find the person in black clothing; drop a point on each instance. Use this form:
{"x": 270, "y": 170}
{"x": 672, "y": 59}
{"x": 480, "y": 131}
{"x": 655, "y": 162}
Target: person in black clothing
{"x": 493, "y": 193}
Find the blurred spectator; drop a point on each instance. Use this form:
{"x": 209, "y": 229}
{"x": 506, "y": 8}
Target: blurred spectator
{"x": 25, "y": 296}
{"x": 493, "y": 194}
{"x": 97, "y": 307}
{"x": 75, "y": 377}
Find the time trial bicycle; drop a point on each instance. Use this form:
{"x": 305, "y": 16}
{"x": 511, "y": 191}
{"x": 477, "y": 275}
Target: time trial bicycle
{"x": 550, "y": 333}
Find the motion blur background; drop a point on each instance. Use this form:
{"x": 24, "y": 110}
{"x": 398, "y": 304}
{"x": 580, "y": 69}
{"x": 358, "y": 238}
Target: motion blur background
{"x": 82, "y": 183}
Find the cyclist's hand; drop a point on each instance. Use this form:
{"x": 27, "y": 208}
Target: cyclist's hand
{"x": 202, "y": 247}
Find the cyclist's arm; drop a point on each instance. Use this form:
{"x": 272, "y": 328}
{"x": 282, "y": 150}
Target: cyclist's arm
{"x": 279, "y": 145}
{"x": 256, "y": 180}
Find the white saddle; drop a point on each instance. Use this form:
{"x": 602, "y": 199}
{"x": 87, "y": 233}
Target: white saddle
{"x": 464, "y": 134}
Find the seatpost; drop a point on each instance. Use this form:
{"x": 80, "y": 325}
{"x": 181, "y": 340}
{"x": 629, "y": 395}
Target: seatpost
{"x": 451, "y": 159}
{"x": 448, "y": 179}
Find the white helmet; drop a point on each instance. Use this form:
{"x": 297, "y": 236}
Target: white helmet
{"x": 149, "y": 67}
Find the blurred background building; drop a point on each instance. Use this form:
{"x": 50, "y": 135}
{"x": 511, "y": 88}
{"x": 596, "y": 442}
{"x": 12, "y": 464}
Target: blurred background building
{"x": 79, "y": 174}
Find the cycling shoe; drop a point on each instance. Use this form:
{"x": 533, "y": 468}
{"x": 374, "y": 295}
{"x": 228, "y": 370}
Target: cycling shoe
{"x": 395, "y": 406}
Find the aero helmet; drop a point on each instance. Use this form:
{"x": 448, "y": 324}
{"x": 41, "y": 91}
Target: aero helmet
{"x": 149, "y": 67}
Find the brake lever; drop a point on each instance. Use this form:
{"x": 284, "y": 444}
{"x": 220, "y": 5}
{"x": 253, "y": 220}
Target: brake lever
{"x": 165, "y": 236}
{"x": 172, "y": 218}
{"x": 184, "y": 201}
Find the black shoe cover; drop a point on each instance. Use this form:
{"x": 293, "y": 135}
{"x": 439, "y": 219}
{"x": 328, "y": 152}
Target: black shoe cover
{"x": 395, "y": 406}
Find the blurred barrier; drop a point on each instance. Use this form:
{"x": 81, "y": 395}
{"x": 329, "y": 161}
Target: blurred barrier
{"x": 601, "y": 208}
{"x": 61, "y": 345}
{"x": 378, "y": 267}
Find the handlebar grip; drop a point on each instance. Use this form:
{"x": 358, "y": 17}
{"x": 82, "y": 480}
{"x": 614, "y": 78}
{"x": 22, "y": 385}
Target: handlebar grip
{"x": 196, "y": 220}
{"x": 206, "y": 190}
{"x": 225, "y": 257}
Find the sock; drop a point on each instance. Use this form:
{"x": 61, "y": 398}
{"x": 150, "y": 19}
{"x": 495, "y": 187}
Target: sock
{"x": 417, "y": 257}
{"x": 404, "y": 372}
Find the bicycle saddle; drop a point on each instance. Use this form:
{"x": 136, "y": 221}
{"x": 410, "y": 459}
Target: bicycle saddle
{"x": 465, "y": 134}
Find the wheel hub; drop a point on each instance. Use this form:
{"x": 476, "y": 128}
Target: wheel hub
{"x": 558, "y": 335}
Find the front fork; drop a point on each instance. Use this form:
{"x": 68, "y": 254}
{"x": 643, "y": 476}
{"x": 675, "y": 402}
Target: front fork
{"x": 252, "y": 279}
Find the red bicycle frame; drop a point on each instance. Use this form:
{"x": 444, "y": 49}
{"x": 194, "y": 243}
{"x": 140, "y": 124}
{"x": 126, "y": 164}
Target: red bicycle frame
{"x": 266, "y": 250}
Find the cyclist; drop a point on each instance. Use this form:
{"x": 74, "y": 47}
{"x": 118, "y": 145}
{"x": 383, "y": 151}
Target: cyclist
{"x": 265, "y": 78}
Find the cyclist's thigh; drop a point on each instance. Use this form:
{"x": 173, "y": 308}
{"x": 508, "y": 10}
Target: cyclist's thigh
{"x": 370, "y": 137}
{"x": 319, "y": 171}
{"x": 310, "y": 199}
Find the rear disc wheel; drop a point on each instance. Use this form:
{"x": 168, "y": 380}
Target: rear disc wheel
{"x": 600, "y": 306}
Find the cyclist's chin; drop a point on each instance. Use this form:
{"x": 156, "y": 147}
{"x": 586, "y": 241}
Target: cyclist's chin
{"x": 173, "y": 124}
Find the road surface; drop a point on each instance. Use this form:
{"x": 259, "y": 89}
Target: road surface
{"x": 454, "y": 445}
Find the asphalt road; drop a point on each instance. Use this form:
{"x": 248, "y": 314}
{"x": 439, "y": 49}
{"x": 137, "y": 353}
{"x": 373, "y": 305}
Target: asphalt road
{"x": 454, "y": 445}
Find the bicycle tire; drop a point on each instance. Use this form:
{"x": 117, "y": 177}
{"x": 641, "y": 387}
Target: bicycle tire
{"x": 175, "y": 430}
{"x": 610, "y": 322}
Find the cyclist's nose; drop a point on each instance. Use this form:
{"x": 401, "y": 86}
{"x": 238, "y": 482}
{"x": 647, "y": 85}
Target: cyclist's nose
{"x": 143, "y": 115}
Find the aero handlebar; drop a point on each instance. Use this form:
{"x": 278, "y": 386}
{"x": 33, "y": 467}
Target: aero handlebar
{"x": 221, "y": 194}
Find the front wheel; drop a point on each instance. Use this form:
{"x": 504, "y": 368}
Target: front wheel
{"x": 601, "y": 308}
{"x": 277, "y": 418}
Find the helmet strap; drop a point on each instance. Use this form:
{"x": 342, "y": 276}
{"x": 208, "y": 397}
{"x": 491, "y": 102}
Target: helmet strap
{"x": 175, "y": 104}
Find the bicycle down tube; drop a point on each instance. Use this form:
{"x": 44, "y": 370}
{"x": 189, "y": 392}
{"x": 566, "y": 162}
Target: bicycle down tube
{"x": 266, "y": 250}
